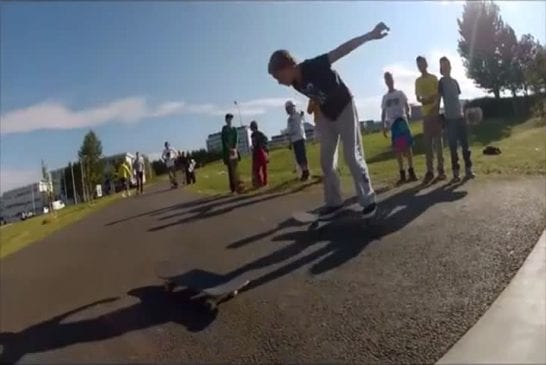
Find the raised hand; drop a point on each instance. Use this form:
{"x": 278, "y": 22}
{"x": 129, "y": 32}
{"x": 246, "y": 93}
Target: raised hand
{"x": 380, "y": 31}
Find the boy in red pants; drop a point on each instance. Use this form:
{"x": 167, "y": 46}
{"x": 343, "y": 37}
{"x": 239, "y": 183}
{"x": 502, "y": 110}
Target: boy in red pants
{"x": 259, "y": 156}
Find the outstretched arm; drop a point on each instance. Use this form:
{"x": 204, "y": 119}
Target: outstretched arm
{"x": 378, "y": 32}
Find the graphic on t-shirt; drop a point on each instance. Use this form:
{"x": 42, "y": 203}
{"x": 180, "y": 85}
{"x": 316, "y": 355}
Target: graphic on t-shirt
{"x": 314, "y": 93}
{"x": 393, "y": 102}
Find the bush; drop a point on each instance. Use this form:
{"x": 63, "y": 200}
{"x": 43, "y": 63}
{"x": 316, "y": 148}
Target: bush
{"x": 520, "y": 107}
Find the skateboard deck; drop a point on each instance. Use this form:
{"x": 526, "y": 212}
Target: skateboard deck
{"x": 212, "y": 287}
{"x": 315, "y": 221}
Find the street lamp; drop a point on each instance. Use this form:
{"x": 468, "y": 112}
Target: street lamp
{"x": 239, "y": 110}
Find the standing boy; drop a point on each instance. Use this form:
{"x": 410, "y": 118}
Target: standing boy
{"x": 124, "y": 175}
{"x": 316, "y": 79}
{"x": 394, "y": 115}
{"x": 230, "y": 153}
{"x": 296, "y": 137}
{"x": 426, "y": 91}
{"x": 138, "y": 166}
{"x": 449, "y": 90}
{"x": 189, "y": 168}
{"x": 169, "y": 158}
{"x": 259, "y": 156}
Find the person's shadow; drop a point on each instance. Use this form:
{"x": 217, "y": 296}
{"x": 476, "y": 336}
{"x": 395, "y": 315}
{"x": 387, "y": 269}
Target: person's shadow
{"x": 346, "y": 236}
{"x": 155, "y": 307}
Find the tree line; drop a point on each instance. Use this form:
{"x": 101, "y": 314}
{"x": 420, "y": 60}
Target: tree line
{"x": 494, "y": 57}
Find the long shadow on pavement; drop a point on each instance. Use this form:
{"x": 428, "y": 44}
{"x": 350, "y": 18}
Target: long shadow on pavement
{"x": 155, "y": 307}
{"x": 190, "y": 204}
{"x": 346, "y": 236}
{"x": 209, "y": 211}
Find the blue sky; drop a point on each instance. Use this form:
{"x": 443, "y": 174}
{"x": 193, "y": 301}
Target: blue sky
{"x": 141, "y": 73}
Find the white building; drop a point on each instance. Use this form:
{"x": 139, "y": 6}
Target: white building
{"x": 23, "y": 200}
{"x": 214, "y": 141}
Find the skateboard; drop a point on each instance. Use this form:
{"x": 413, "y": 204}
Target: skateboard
{"x": 315, "y": 221}
{"x": 210, "y": 287}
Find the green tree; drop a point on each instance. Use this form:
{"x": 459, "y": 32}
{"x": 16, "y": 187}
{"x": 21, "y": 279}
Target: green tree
{"x": 90, "y": 155}
{"x": 525, "y": 54}
{"x": 535, "y": 72}
{"x": 484, "y": 44}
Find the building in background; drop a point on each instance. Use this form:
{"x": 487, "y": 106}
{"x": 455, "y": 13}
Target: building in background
{"x": 214, "y": 141}
{"x": 24, "y": 200}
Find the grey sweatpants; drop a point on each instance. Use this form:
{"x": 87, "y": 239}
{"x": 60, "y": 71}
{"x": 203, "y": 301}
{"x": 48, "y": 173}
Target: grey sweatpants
{"x": 347, "y": 127}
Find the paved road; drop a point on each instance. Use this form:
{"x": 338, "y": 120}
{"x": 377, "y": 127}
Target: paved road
{"x": 401, "y": 291}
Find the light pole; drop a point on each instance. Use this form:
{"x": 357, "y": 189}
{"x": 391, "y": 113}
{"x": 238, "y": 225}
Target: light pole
{"x": 83, "y": 184}
{"x": 239, "y": 110}
{"x": 73, "y": 184}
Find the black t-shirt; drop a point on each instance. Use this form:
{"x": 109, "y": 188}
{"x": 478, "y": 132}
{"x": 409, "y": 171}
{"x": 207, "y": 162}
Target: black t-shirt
{"x": 259, "y": 141}
{"x": 322, "y": 84}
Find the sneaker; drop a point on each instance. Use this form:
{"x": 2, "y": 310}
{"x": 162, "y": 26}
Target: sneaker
{"x": 369, "y": 211}
{"x": 411, "y": 174}
{"x": 327, "y": 211}
{"x": 469, "y": 174}
{"x": 305, "y": 175}
{"x": 441, "y": 176}
{"x": 429, "y": 176}
{"x": 402, "y": 178}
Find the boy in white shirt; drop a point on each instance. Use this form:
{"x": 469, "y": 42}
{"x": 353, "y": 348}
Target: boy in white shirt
{"x": 394, "y": 115}
{"x": 296, "y": 137}
{"x": 169, "y": 157}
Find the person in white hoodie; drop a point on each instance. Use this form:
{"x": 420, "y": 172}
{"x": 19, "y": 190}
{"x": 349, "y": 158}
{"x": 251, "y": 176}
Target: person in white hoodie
{"x": 296, "y": 137}
{"x": 169, "y": 157}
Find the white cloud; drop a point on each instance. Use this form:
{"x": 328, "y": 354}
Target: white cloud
{"x": 13, "y": 178}
{"x": 55, "y": 115}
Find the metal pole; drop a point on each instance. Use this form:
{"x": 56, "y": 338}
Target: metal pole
{"x": 73, "y": 185}
{"x": 240, "y": 115}
{"x": 83, "y": 186}
{"x": 64, "y": 185}
{"x": 33, "y": 203}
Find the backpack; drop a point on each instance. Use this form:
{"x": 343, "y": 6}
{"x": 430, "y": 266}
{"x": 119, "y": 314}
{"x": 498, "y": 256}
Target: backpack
{"x": 491, "y": 150}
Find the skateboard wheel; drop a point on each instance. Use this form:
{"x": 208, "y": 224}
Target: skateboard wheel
{"x": 211, "y": 306}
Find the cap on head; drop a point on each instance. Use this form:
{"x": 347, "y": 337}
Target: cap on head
{"x": 253, "y": 125}
{"x": 229, "y": 116}
{"x": 279, "y": 60}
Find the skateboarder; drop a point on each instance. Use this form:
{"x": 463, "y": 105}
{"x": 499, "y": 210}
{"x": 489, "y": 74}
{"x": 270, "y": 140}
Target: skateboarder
{"x": 296, "y": 137}
{"x": 426, "y": 91}
{"x": 169, "y": 157}
{"x": 260, "y": 157}
{"x": 394, "y": 115}
{"x": 316, "y": 79}
{"x": 449, "y": 90}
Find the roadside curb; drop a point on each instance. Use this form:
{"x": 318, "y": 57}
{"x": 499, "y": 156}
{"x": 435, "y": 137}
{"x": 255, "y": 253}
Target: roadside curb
{"x": 513, "y": 329}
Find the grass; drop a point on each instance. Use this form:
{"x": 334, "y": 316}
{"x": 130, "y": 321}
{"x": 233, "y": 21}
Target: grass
{"x": 18, "y": 235}
{"x": 522, "y": 144}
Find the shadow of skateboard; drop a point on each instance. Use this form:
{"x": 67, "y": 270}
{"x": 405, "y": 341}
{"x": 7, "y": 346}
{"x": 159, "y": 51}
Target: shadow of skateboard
{"x": 212, "y": 289}
{"x": 315, "y": 221}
